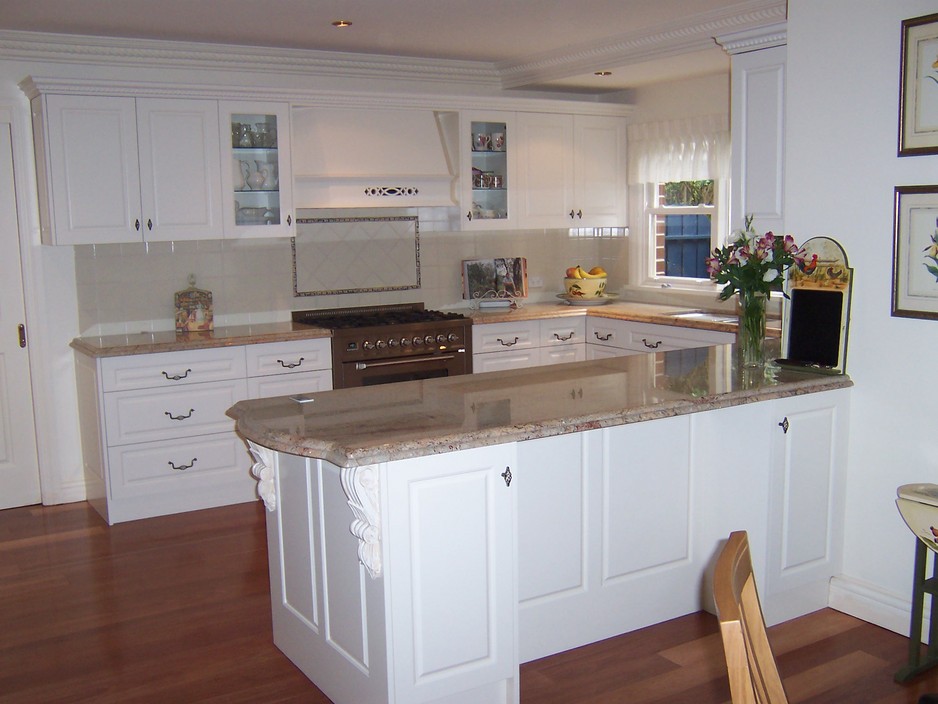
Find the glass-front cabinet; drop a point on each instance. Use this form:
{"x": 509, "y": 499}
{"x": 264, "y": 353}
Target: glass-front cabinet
{"x": 257, "y": 179}
{"x": 488, "y": 169}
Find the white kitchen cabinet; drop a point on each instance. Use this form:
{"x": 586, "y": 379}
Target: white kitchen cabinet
{"x": 115, "y": 169}
{"x": 416, "y": 602}
{"x": 156, "y": 438}
{"x": 487, "y": 147}
{"x": 528, "y": 343}
{"x": 257, "y": 172}
{"x": 635, "y": 337}
{"x": 571, "y": 171}
{"x": 287, "y": 368}
{"x": 452, "y": 620}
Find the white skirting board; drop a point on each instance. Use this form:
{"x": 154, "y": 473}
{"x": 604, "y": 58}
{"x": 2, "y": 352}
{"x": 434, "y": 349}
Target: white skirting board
{"x": 874, "y": 605}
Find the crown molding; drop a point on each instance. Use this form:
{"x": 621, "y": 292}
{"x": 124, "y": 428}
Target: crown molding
{"x": 149, "y": 53}
{"x": 677, "y": 37}
{"x": 754, "y": 39}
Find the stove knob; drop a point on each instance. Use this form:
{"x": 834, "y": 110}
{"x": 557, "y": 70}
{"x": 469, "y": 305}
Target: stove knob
{"x": 393, "y": 342}
{"x": 381, "y": 344}
{"x": 429, "y": 339}
{"x": 418, "y": 340}
{"x": 368, "y": 345}
{"x": 405, "y": 342}
{"x": 452, "y": 337}
{"x": 441, "y": 338}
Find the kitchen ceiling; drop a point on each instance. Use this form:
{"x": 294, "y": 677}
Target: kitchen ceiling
{"x": 530, "y": 44}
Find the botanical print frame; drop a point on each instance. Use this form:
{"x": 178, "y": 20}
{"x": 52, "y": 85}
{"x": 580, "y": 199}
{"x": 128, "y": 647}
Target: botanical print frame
{"x": 915, "y": 253}
{"x": 918, "y": 87}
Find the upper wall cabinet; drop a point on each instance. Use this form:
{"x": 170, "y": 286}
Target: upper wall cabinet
{"x": 115, "y": 169}
{"x": 257, "y": 177}
{"x": 572, "y": 170}
{"x": 487, "y": 153}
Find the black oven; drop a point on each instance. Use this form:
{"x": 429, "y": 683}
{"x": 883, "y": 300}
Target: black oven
{"x": 386, "y": 344}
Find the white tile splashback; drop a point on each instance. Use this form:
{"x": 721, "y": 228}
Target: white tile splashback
{"x": 125, "y": 288}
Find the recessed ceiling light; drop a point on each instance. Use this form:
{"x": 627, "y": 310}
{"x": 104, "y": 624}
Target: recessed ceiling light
{"x": 342, "y": 23}
{"x": 603, "y": 73}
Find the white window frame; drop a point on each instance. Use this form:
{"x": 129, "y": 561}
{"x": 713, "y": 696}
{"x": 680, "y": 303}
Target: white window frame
{"x": 644, "y": 252}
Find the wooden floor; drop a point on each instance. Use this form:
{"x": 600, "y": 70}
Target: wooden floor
{"x": 177, "y": 609}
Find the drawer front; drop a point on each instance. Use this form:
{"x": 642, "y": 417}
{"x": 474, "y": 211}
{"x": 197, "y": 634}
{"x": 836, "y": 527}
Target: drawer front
{"x": 167, "y": 369}
{"x": 609, "y": 333}
{"x": 289, "y": 384}
{"x": 499, "y": 361}
{"x": 661, "y": 338}
{"x": 179, "y": 466}
{"x": 496, "y": 337}
{"x": 162, "y": 414}
{"x": 289, "y": 357}
{"x": 562, "y": 331}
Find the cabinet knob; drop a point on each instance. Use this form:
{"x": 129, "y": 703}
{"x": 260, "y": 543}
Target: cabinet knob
{"x": 506, "y": 475}
{"x": 289, "y": 220}
{"x": 784, "y": 425}
{"x": 149, "y": 224}
{"x": 469, "y": 216}
{"x": 137, "y": 224}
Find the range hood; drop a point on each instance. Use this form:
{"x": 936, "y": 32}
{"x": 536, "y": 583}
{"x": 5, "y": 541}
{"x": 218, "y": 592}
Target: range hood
{"x": 367, "y": 158}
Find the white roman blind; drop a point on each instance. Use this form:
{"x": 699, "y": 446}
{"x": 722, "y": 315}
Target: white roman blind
{"x": 691, "y": 149}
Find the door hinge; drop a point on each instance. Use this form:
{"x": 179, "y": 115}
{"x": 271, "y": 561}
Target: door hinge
{"x": 21, "y": 330}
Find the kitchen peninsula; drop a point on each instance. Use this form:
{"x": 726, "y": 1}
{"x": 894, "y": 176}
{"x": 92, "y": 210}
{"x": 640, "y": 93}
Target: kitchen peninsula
{"x": 427, "y": 537}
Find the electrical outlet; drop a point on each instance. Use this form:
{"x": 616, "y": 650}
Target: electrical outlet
{"x": 536, "y": 282}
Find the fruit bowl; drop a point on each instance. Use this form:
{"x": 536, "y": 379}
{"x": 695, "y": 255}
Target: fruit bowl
{"x": 585, "y": 288}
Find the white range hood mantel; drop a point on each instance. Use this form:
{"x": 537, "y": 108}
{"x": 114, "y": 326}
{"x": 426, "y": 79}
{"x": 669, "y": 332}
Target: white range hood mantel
{"x": 374, "y": 158}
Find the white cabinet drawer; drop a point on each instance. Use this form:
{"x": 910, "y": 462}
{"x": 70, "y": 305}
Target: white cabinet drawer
{"x": 179, "y": 466}
{"x": 661, "y": 338}
{"x": 289, "y": 384}
{"x": 167, "y": 369}
{"x": 562, "y": 331}
{"x": 289, "y": 357}
{"x": 161, "y": 414}
{"x": 499, "y": 361}
{"x": 496, "y": 337}
{"x": 605, "y": 332}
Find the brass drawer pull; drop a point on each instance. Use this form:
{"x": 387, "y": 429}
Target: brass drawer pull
{"x": 507, "y": 344}
{"x": 290, "y": 365}
{"x": 176, "y": 377}
{"x": 183, "y": 467}
{"x": 172, "y": 417}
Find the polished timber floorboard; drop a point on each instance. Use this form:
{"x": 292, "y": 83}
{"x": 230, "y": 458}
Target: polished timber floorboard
{"x": 177, "y": 610}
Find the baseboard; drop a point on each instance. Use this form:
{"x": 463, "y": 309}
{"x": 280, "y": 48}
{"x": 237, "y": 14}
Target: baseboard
{"x": 66, "y": 493}
{"x": 872, "y": 604}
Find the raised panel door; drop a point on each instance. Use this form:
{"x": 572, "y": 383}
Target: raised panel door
{"x": 546, "y": 170}
{"x": 180, "y": 169}
{"x": 599, "y": 171}
{"x": 451, "y": 570}
{"x": 94, "y": 176}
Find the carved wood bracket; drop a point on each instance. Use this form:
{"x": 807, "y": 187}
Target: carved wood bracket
{"x": 361, "y": 486}
{"x": 263, "y": 471}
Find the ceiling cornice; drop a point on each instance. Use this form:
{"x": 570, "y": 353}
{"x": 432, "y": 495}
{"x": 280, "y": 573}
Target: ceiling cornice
{"x": 677, "y": 37}
{"x": 754, "y": 39}
{"x": 151, "y": 53}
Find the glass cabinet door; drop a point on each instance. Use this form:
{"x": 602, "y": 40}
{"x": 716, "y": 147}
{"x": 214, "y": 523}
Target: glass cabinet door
{"x": 489, "y": 150}
{"x": 258, "y": 198}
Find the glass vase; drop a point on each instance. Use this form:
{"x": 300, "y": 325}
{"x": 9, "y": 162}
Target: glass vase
{"x": 750, "y": 335}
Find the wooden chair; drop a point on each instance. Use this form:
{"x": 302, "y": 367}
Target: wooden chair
{"x": 753, "y": 674}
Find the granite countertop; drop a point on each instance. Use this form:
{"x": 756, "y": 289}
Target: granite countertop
{"x": 352, "y": 427}
{"x": 170, "y": 341}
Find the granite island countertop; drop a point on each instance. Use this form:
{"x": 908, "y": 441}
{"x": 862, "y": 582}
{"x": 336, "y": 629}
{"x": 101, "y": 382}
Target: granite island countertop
{"x": 170, "y": 341}
{"x": 358, "y": 426}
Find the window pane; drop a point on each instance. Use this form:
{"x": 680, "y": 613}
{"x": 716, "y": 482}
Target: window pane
{"x": 686, "y": 245}
{"x": 688, "y": 193}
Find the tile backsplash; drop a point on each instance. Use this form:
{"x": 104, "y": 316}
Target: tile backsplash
{"x": 127, "y": 288}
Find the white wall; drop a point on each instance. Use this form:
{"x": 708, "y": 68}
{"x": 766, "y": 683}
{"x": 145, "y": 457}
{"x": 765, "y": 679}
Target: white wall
{"x": 842, "y": 107}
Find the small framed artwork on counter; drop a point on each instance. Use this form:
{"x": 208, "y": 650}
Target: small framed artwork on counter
{"x": 918, "y": 87}
{"x": 915, "y": 253}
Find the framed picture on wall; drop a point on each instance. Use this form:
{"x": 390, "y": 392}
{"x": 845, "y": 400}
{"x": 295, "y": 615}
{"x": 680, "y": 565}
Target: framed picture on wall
{"x": 915, "y": 253}
{"x": 918, "y": 87}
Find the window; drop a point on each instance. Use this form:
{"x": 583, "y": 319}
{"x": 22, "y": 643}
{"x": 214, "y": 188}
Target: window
{"x": 682, "y": 224}
{"x": 684, "y": 168}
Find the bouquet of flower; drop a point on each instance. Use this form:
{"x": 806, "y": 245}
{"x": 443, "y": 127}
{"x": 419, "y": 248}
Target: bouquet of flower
{"x": 754, "y": 264}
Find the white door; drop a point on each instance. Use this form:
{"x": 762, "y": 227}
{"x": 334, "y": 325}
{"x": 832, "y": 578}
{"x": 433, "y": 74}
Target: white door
{"x": 19, "y": 466}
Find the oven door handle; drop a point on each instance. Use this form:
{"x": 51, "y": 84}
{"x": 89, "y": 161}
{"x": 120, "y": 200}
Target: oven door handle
{"x": 407, "y": 360}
